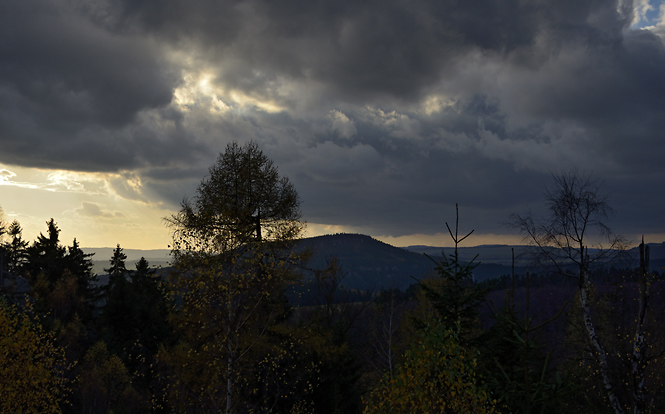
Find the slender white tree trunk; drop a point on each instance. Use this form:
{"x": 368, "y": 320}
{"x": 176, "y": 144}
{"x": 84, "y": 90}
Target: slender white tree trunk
{"x": 601, "y": 355}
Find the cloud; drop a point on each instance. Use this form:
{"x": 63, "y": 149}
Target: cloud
{"x": 342, "y": 125}
{"x": 94, "y": 210}
{"x": 67, "y": 85}
{"x": 384, "y": 114}
{"x": 6, "y": 176}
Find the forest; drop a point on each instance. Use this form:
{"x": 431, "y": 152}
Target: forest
{"x": 242, "y": 322}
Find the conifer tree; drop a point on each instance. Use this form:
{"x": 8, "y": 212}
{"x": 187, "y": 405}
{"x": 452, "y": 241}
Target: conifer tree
{"x": 14, "y": 248}
{"x": 45, "y": 257}
{"x": 454, "y": 294}
{"x": 80, "y": 265}
{"x": 118, "y": 267}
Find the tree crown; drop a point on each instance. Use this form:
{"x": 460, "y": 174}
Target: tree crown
{"x": 242, "y": 201}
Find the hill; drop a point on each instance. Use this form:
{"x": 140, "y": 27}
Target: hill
{"x": 371, "y": 264}
{"x": 368, "y": 263}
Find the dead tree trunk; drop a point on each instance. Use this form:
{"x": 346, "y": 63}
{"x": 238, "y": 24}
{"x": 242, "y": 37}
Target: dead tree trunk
{"x": 640, "y": 342}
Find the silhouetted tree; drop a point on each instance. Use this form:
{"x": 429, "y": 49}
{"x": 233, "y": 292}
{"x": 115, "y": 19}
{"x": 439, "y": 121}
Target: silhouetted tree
{"x": 14, "y": 248}
{"x": 233, "y": 258}
{"x": 573, "y": 237}
{"x": 150, "y": 307}
{"x": 118, "y": 267}
{"x": 57, "y": 272}
{"x": 454, "y": 294}
{"x": 45, "y": 257}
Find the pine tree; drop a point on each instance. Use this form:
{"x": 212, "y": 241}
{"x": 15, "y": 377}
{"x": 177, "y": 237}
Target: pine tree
{"x": 118, "y": 268}
{"x": 45, "y": 257}
{"x": 15, "y": 248}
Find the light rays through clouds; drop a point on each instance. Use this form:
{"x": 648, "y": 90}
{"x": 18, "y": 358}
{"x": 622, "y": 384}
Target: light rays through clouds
{"x": 383, "y": 114}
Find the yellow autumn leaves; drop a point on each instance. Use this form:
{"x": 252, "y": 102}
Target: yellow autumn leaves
{"x": 31, "y": 365}
{"x": 437, "y": 376}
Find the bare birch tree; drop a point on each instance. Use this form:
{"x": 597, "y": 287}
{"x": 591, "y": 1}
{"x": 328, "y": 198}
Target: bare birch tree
{"x": 573, "y": 237}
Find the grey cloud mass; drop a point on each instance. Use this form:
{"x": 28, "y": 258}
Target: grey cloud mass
{"x": 384, "y": 114}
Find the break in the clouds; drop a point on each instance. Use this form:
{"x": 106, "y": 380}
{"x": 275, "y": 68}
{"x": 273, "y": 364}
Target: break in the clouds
{"x": 383, "y": 114}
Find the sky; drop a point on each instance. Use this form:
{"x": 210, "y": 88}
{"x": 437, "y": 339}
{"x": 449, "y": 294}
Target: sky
{"x": 383, "y": 114}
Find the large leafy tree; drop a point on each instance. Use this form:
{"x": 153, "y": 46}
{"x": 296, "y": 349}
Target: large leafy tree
{"x": 231, "y": 245}
{"x": 243, "y": 201}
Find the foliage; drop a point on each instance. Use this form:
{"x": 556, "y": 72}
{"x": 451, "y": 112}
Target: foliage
{"x": 615, "y": 305}
{"x": 150, "y": 306}
{"x": 243, "y": 201}
{"x": 217, "y": 333}
{"x": 220, "y": 316}
{"x": 233, "y": 260}
{"x": 437, "y": 375}
{"x": 105, "y": 383}
{"x": 32, "y": 366}
{"x": 283, "y": 374}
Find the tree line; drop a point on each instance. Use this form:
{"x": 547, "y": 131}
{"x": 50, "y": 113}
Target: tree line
{"x": 217, "y": 332}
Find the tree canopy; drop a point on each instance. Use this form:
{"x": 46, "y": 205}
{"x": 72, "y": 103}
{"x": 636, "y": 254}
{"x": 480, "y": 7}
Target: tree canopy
{"x": 233, "y": 262}
{"x": 243, "y": 200}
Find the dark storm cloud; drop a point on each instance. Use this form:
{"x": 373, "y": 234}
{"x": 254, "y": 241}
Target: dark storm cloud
{"x": 359, "y": 49}
{"x": 383, "y": 113}
{"x": 64, "y": 84}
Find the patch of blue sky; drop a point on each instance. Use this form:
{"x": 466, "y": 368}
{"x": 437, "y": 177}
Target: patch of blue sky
{"x": 648, "y": 13}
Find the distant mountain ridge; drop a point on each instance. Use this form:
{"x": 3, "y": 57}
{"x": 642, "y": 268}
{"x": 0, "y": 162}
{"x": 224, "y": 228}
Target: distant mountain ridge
{"x": 368, "y": 263}
{"x": 373, "y": 264}
{"x": 102, "y": 257}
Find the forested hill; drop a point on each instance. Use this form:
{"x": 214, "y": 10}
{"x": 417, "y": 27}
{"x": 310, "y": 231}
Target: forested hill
{"x": 366, "y": 262}
{"x": 372, "y": 264}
